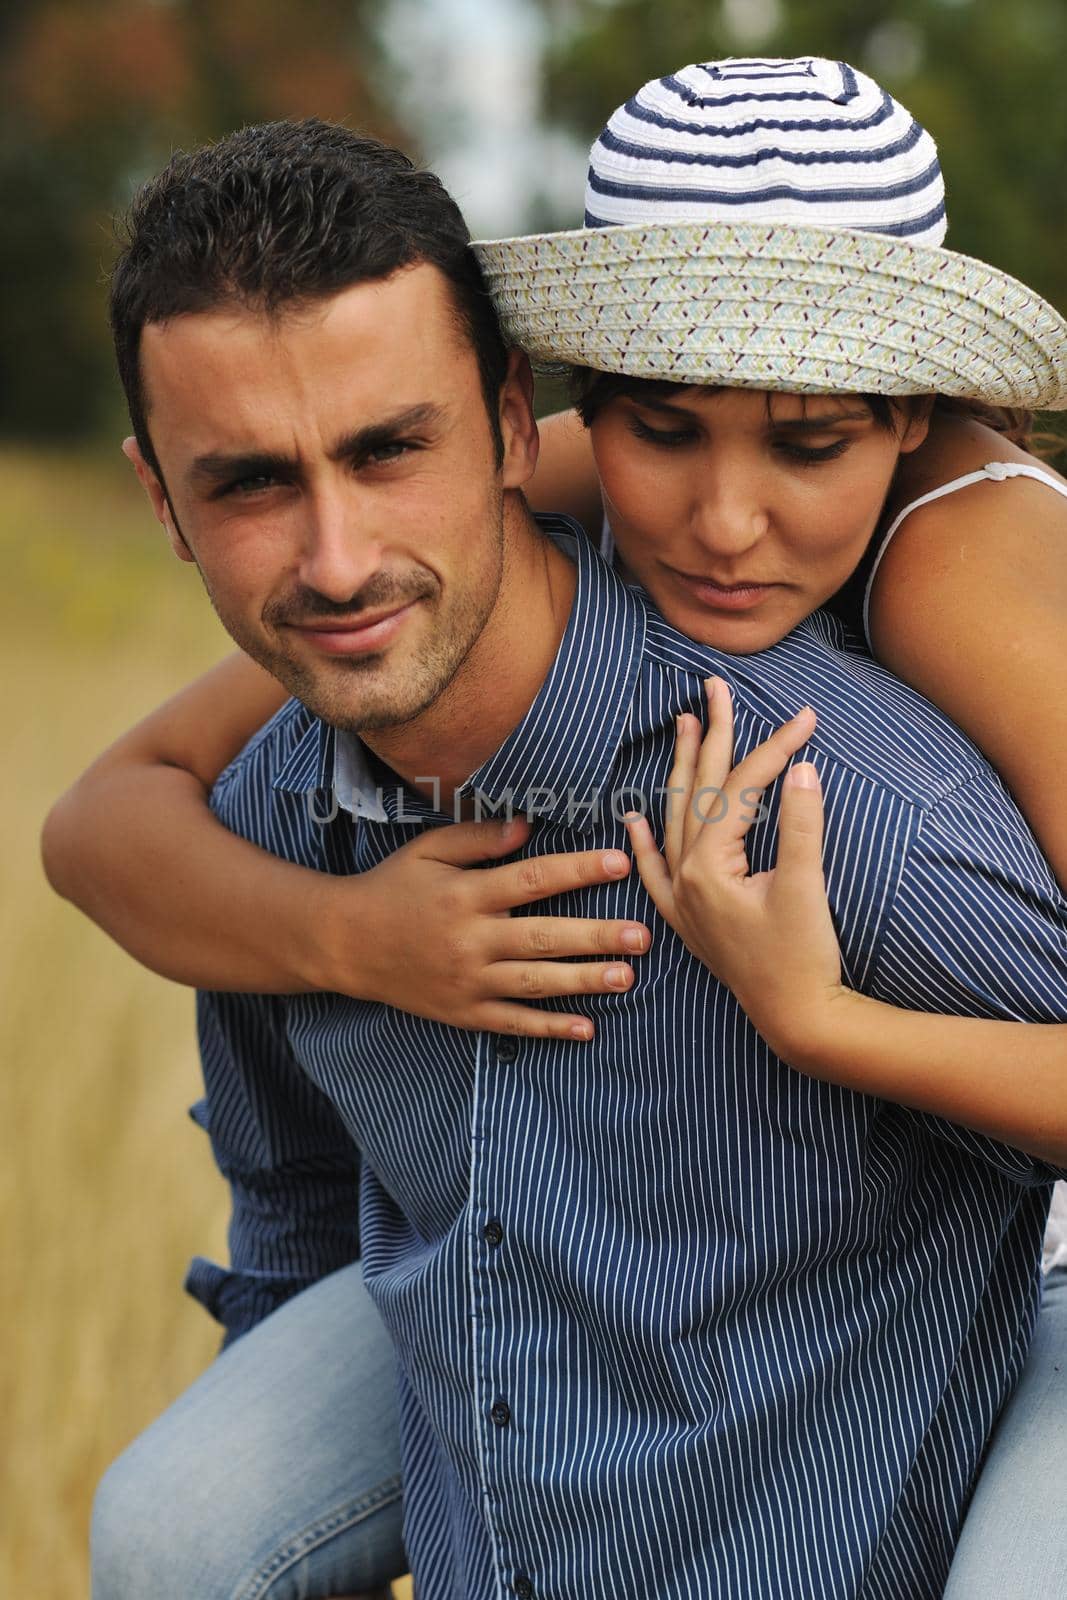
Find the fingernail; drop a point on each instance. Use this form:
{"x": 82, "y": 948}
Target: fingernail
{"x": 802, "y": 776}
{"x": 633, "y": 939}
{"x": 617, "y": 977}
{"x": 581, "y": 1030}
{"x": 616, "y": 862}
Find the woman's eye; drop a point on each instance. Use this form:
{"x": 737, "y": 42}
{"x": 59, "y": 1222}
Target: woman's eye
{"x": 670, "y": 438}
{"x": 806, "y": 456}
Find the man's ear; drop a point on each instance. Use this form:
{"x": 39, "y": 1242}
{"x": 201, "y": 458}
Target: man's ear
{"x": 918, "y": 424}
{"x": 157, "y": 494}
{"x": 517, "y": 426}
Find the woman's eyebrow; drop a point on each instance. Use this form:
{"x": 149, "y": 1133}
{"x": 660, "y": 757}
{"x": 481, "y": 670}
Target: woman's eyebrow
{"x": 823, "y": 419}
{"x": 654, "y": 403}
{"x": 810, "y": 422}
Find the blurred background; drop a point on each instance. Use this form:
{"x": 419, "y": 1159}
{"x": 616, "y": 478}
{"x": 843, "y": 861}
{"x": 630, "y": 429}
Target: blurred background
{"x": 107, "y": 1188}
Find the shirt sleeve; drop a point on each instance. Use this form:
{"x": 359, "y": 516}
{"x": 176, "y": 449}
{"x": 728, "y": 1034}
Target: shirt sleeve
{"x": 977, "y": 928}
{"x": 292, "y": 1167}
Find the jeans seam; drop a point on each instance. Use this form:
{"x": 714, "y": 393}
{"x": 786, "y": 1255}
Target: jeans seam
{"x": 344, "y": 1516}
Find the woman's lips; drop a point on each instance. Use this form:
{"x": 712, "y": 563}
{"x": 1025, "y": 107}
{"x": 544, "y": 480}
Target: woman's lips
{"x": 726, "y": 597}
{"x": 356, "y": 638}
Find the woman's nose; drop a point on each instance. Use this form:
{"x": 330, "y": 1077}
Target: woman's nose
{"x": 727, "y": 514}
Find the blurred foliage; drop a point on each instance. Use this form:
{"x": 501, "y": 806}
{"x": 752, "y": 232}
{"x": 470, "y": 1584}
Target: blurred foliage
{"x": 95, "y": 97}
{"x": 985, "y": 77}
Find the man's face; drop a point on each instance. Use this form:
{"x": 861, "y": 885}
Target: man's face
{"x": 331, "y": 471}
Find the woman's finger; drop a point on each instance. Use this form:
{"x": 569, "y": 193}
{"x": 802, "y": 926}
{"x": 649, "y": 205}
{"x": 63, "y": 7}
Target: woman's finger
{"x": 545, "y": 980}
{"x": 716, "y": 757}
{"x": 527, "y": 1022}
{"x": 743, "y": 789}
{"x": 800, "y": 828}
{"x": 549, "y": 938}
{"x": 520, "y": 883}
{"x": 655, "y": 873}
{"x": 680, "y": 787}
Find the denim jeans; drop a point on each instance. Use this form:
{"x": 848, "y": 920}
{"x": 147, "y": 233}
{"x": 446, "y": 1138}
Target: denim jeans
{"x": 277, "y": 1476}
{"x": 1014, "y": 1539}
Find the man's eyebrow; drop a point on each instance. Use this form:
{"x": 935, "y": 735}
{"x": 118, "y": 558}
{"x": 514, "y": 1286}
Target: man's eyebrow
{"x": 362, "y": 440}
{"x": 207, "y": 471}
{"x": 217, "y": 467}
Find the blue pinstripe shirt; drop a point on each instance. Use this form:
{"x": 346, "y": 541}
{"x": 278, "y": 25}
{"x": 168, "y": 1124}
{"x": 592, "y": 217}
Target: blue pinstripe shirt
{"x": 672, "y": 1319}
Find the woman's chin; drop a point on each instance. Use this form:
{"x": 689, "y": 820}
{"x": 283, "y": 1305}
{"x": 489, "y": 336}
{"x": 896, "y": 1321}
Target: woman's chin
{"x": 736, "y": 634}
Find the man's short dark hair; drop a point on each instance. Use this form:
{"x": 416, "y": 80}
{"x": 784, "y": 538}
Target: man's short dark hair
{"x": 284, "y": 213}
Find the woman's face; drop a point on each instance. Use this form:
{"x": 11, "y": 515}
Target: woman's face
{"x": 740, "y": 511}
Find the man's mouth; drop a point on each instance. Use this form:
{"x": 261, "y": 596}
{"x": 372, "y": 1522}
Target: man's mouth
{"x": 362, "y": 634}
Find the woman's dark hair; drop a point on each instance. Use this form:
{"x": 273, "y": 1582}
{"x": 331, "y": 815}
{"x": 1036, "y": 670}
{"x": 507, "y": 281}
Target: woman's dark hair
{"x": 284, "y": 213}
{"x": 591, "y": 391}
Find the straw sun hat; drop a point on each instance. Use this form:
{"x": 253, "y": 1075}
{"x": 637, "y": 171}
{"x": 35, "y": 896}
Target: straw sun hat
{"x": 774, "y": 225}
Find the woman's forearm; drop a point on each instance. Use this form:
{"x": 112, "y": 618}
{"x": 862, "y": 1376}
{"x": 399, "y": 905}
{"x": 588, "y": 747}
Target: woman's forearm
{"x": 134, "y": 845}
{"x": 134, "y": 838}
{"x": 1004, "y": 1079}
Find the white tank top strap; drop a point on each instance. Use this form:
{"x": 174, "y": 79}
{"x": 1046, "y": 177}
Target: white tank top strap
{"x": 992, "y": 472}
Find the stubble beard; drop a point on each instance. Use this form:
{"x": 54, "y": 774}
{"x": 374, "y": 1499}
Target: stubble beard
{"x": 372, "y": 694}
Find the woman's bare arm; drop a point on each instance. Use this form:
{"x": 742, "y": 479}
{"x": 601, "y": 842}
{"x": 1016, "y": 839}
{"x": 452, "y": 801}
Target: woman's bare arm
{"x": 770, "y": 937}
{"x": 969, "y": 606}
{"x": 133, "y": 844}
{"x": 136, "y": 847}
{"x": 566, "y": 477}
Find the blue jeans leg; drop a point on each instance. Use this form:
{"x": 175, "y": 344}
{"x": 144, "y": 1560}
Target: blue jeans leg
{"x": 276, "y": 1476}
{"x": 1014, "y": 1538}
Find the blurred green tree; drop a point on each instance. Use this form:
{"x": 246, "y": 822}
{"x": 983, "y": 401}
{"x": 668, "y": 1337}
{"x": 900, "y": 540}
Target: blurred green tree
{"x": 92, "y": 99}
{"x": 986, "y": 79}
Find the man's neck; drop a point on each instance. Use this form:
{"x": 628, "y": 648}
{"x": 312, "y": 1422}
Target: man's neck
{"x": 501, "y": 677}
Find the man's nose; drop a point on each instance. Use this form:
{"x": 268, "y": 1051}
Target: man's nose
{"x": 342, "y": 546}
{"x": 727, "y": 512}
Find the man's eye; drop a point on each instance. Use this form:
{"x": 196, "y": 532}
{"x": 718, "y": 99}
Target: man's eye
{"x": 392, "y": 450}
{"x": 668, "y": 438}
{"x": 254, "y": 483}
{"x": 807, "y": 456}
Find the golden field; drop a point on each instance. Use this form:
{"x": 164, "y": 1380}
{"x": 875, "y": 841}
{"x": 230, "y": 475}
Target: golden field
{"x": 107, "y": 1187}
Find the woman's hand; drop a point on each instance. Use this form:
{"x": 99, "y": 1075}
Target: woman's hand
{"x": 427, "y": 933}
{"x": 768, "y": 936}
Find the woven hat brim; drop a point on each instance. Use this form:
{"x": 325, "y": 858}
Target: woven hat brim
{"x": 777, "y": 306}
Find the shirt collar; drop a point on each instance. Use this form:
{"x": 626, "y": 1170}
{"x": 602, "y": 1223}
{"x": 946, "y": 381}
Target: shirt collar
{"x": 560, "y": 757}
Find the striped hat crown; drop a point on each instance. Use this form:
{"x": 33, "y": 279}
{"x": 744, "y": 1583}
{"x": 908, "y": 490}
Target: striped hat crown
{"x": 806, "y": 141}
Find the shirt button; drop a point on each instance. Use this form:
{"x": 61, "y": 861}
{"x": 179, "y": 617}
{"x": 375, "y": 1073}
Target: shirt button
{"x": 501, "y": 1413}
{"x": 492, "y": 1233}
{"x": 507, "y": 1049}
{"x": 523, "y": 1588}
